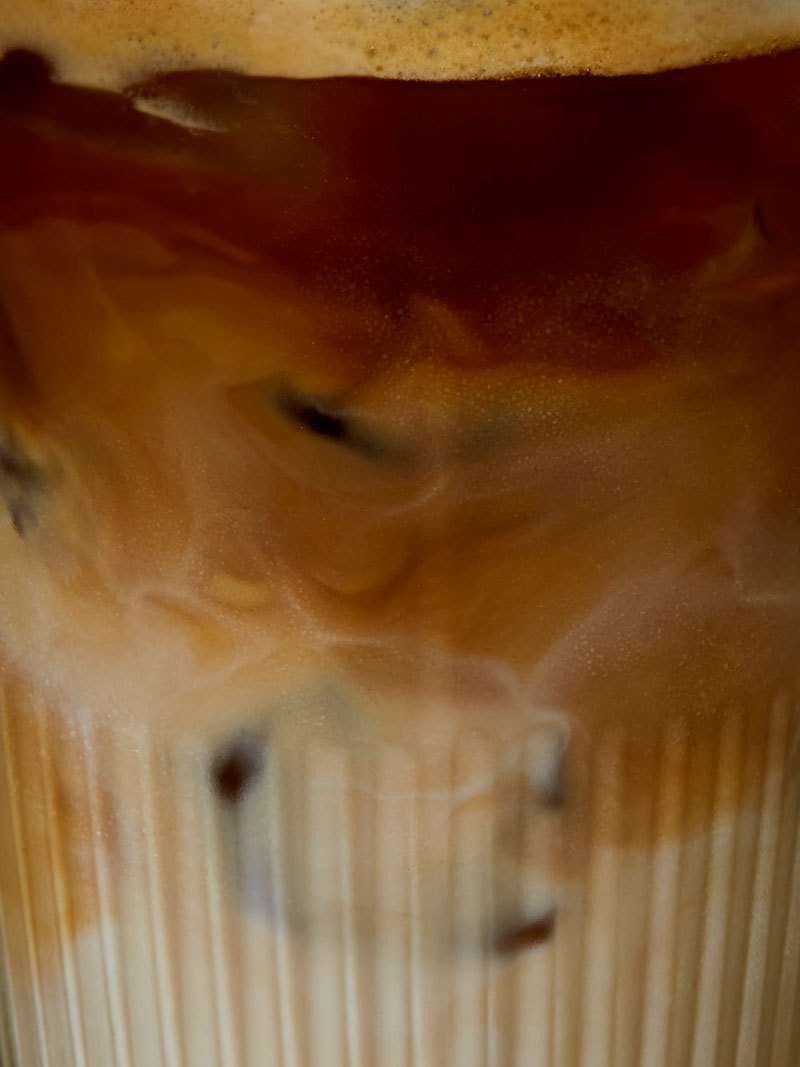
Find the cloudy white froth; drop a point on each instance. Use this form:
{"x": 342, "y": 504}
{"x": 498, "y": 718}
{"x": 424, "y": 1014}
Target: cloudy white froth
{"x": 112, "y": 43}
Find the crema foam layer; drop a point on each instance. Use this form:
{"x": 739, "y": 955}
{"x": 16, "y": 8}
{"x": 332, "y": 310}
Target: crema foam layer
{"x": 114, "y": 44}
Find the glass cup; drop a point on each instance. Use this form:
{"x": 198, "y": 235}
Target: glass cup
{"x": 399, "y": 566}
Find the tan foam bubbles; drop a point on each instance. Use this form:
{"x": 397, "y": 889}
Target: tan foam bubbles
{"x": 109, "y": 45}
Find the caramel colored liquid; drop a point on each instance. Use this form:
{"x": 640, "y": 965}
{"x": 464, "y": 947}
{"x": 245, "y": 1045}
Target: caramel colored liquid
{"x": 401, "y": 569}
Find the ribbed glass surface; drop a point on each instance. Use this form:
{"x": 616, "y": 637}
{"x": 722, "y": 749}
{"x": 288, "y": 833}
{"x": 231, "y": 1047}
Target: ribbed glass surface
{"x": 266, "y": 907}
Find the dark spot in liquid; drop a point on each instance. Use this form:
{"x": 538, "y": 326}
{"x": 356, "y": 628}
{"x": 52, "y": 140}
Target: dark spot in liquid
{"x": 311, "y": 415}
{"x": 237, "y": 768}
{"x": 526, "y": 936}
{"x": 325, "y": 422}
{"x": 15, "y": 467}
{"x": 321, "y": 422}
{"x": 20, "y": 481}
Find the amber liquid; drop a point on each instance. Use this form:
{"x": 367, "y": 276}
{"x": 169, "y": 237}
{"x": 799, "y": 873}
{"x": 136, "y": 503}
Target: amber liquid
{"x": 401, "y": 574}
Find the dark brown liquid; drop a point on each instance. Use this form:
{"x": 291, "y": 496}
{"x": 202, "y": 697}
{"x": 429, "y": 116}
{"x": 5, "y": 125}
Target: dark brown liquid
{"x": 523, "y": 205}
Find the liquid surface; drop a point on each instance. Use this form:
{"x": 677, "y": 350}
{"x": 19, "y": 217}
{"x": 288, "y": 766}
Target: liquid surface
{"x": 118, "y": 45}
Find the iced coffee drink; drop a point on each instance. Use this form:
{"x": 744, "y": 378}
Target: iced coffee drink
{"x": 399, "y": 534}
